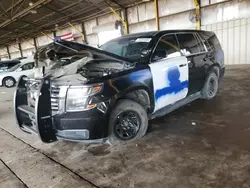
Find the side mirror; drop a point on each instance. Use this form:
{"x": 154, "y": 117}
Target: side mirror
{"x": 144, "y": 52}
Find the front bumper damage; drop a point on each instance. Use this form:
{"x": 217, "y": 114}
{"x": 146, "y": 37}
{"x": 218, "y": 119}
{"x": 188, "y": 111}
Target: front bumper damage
{"x": 87, "y": 126}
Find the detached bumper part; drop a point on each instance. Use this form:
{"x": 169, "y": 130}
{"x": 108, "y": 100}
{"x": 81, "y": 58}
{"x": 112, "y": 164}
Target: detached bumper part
{"x": 73, "y": 134}
{"x": 78, "y": 135}
{"x": 36, "y": 119}
{"x": 94, "y": 121}
{"x": 28, "y": 115}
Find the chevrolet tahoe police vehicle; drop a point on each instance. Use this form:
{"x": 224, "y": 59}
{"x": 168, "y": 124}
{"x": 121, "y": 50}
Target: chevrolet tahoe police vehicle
{"x": 95, "y": 95}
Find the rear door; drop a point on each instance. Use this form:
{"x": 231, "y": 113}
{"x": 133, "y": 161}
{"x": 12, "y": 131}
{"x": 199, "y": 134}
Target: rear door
{"x": 194, "y": 50}
{"x": 169, "y": 71}
{"x": 25, "y": 70}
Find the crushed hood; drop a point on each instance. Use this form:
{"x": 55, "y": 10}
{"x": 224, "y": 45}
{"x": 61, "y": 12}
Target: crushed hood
{"x": 60, "y": 49}
{"x": 52, "y": 56}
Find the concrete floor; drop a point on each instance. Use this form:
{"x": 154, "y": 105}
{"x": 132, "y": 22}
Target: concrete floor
{"x": 204, "y": 144}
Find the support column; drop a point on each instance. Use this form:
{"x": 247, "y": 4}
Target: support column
{"x": 8, "y": 51}
{"x": 54, "y": 34}
{"x": 156, "y": 15}
{"x": 124, "y": 23}
{"x": 198, "y": 14}
{"x": 126, "y": 20}
{"x": 84, "y": 33}
{"x": 35, "y": 44}
{"x": 20, "y": 49}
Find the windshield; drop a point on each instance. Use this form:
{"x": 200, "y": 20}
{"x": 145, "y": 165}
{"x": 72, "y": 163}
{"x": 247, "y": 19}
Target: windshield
{"x": 15, "y": 68}
{"x": 128, "y": 47}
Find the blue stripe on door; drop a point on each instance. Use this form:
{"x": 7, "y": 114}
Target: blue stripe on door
{"x": 175, "y": 85}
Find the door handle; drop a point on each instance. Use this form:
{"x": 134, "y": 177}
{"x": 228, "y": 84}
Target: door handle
{"x": 182, "y": 65}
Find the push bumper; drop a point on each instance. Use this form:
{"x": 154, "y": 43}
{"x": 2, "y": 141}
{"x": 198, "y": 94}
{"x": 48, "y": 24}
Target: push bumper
{"x": 87, "y": 126}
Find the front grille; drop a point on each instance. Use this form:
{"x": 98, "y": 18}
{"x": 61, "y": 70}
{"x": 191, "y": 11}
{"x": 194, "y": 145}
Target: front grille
{"x": 55, "y": 96}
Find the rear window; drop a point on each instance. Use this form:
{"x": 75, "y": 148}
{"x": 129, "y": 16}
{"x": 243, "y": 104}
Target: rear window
{"x": 211, "y": 40}
{"x": 12, "y": 64}
{"x": 8, "y": 64}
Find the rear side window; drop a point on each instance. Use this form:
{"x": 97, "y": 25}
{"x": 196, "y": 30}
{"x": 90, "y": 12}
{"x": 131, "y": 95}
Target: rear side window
{"x": 11, "y": 64}
{"x": 200, "y": 43}
{"x": 208, "y": 46}
{"x": 188, "y": 43}
{"x": 211, "y": 41}
{"x": 167, "y": 47}
{"x": 3, "y": 65}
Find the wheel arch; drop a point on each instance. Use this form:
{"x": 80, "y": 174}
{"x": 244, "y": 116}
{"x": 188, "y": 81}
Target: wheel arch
{"x": 140, "y": 94}
{"x": 214, "y": 68}
{"x": 6, "y": 77}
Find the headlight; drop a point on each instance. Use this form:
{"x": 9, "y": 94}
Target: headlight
{"x": 78, "y": 97}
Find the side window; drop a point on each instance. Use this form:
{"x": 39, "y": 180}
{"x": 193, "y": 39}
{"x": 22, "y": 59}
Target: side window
{"x": 188, "y": 43}
{"x": 167, "y": 47}
{"x": 3, "y": 66}
{"x": 27, "y": 66}
{"x": 200, "y": 43}
{"x": 11, "y": 65}
{"x": 208, "y": 46}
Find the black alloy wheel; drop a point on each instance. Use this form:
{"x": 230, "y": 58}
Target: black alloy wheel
{"x": 127, "y": 125}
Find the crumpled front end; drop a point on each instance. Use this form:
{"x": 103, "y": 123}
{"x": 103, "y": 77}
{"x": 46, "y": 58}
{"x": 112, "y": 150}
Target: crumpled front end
{"x": 59, "y": 112}
{"x": 31, "y": 114}
{"x": 66, "y": 98}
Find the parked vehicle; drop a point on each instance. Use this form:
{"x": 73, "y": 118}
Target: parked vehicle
{"x": 6, "y": 65}
{"x": 9, "y": 79}
{"x": 112, "y": 92}
{"x": 20, "y": 58}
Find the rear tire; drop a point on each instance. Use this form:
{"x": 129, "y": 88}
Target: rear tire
{"x": 211, "y": 86}
{"x": 128, "y": 122}
{"x": 9, "y": 82}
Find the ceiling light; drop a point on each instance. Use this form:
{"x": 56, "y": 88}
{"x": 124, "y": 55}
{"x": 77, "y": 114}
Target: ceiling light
{"x": 31, "y": 4}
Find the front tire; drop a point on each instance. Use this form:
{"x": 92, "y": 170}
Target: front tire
{"x": 128, "y": 122}
{"x": 9, "y": 82}
{"x": 211, "y": 86}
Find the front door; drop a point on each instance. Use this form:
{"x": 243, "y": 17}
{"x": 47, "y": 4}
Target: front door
{"x": 169, "y": 71}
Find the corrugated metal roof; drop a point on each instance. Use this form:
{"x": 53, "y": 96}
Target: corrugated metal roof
{"x": 17, "y": 20}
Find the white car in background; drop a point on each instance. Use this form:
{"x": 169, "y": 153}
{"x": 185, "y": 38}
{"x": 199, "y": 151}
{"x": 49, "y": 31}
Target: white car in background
{"x": 25, "y": 68}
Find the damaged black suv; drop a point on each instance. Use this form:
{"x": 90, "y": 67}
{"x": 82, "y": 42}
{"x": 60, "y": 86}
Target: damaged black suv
{"x": 81, "y": 93}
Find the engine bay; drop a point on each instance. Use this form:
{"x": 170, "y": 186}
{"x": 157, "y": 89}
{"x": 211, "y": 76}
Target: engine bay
{"x": 59, "y": 60}
{"x": 100, "y": 68}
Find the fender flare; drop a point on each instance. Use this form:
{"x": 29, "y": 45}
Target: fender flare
{"x": 123, "y": 94}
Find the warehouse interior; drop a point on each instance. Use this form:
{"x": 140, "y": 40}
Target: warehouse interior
{"x": 204, "y": 144}
{"x": 24, "y": 28}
